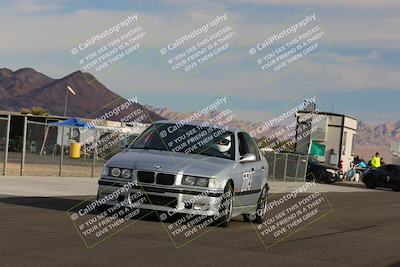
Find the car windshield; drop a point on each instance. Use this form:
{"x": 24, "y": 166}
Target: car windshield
{"x": 189, "y": 139}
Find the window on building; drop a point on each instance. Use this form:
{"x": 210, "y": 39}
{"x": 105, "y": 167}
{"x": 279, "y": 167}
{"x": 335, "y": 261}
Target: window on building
{"x": 344, "y": 142}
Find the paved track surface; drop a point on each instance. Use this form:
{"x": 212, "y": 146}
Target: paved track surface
{"x": 362, "y": 229}
{"x": 33, "y": 186}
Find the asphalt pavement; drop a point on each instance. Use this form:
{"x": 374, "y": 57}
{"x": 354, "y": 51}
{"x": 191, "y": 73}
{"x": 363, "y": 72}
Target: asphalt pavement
{"x": 360, "y": 228}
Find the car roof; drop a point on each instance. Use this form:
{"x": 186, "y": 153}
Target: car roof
{"x": 198, "y": 123}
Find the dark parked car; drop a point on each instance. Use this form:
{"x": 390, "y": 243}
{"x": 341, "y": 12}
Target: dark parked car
{"x": 386, "y": 176}
{"x": 321, "y": 172}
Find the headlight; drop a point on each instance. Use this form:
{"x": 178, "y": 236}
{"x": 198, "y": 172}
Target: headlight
{"x": 331, "y": 171}
{"x": 195, "y": 181}
{"x": 213, "y": 183}
{"x": 126, "y": 173}
{"x": 202, "y": 182}
{"x": 105, "y": 171}
{"x": 115, "y": 172}
{"x": 189, "y": 180}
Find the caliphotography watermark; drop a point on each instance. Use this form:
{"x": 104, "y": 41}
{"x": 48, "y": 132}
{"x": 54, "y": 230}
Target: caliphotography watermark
{"x": 192, "y": 49}
{"x": 97, "y": 137}
{"x": 286, "y": 213}
{"x": 198, "y": 214}
{"x": 283, "y": 132}
{"x": 204, "y": 131}
{"x": 116, "y": 207}
{"x": 289, "y": 45}
{"x": 109, "y": 45}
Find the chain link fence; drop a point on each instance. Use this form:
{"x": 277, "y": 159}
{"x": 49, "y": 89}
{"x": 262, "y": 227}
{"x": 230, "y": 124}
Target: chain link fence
{"x": 4, "y": 142}
{"x": 46, "y": 149}
{"x": 287, "y": 166}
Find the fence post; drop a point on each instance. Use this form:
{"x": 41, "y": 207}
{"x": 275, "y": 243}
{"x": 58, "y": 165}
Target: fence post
{"x": 61, "y": 151}
{"x": 21, "y": 173}
{"x": 6, "y": 148}
{"x": 284, "y": 171}
{"x": 273, "y": 168}
{"x": 305, "y": 168}
{"x": 94, "y": 153}
{"x": 297, "y": 167}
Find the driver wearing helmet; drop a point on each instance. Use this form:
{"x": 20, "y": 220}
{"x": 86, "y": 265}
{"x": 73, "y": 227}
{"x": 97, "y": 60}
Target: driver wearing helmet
{"x": 224, "y": 145}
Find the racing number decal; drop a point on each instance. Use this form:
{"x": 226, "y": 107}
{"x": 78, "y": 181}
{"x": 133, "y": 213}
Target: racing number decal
{"x": 247, "y": 180}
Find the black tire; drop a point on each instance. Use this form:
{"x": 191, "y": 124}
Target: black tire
{"x": 370, "y": 184}
{"x": 102, "y": 208}
{"x": 259, "y": 215}
{"x": 226, "y": 207}
{"x": 319, "y": 177}
{"x": 396, "y": 189}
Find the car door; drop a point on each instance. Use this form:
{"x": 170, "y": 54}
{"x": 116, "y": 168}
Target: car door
{"x": 392, "y": 175}
{"x": 252, "y": 172}
{"x": 383, "y": 176}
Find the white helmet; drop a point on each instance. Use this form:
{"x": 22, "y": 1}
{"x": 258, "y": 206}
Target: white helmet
{"x": 224, "y": 144}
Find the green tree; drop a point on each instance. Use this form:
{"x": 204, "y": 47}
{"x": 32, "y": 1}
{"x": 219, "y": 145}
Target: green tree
{"x": 34, "y": 111}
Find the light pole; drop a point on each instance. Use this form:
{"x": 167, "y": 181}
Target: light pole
{"x": 69, "y": 89}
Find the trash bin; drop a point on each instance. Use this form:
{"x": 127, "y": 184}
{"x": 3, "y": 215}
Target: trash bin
{"x": 74, "y": 150}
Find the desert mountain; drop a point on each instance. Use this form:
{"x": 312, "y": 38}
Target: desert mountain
{"x": 26, "y": 88}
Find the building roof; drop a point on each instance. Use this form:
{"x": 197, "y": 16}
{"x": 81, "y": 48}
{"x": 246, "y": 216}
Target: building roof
{"x": 329, "y": 114}
{"x": 16, "y": 113}
{"x": 198, "y": 123}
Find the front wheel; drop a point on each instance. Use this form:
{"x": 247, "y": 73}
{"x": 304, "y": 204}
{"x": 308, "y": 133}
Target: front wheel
{"x": 370, "y": 184}
{"x": 226, "y": 207}
{"x": 259, "y": 215}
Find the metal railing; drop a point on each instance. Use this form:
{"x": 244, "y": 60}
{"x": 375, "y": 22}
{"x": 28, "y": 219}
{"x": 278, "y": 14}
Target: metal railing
{"x": 45, "y": 149}
{"x": 287, "y": 166}
{"x": 4, "y": 142}
{"x": 51, "y": 150}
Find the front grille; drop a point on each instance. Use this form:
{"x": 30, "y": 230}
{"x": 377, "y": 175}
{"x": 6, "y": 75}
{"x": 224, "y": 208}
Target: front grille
{"x": 165, "y": 179}
{"x": 161, "y": 201}
{"x": 145, "y": 177}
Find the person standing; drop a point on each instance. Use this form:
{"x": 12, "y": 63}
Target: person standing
{"x": 376, "y": 161}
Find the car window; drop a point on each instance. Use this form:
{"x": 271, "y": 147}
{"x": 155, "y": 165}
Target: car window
{"x": 252, "y": 147}
{"x": 397, "y": 168}
{"x": 188, "y": 139}
{"x": 247, "y": 145}
{"x": 242, "y": 145}
{"x": 382, "y": 168}
{"x": 391, "y": 168}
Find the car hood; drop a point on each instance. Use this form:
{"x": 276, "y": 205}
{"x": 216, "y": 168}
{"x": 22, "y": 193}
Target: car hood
{"x": 141, "y": 159}
{"x": 324, "y": 165}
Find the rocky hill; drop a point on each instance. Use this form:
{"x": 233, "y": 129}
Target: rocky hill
{"x": 26, "y": 88}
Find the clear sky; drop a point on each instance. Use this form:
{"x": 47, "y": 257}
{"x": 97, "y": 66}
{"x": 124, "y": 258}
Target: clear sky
{"x": 357, "y": 72}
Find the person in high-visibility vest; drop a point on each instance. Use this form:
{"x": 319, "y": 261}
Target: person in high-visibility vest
{"x": 376, "y": 161}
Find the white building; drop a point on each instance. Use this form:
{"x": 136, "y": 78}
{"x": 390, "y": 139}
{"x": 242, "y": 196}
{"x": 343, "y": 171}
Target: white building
{"x": 395, "y": 149}
{"x": 336, "y": 132}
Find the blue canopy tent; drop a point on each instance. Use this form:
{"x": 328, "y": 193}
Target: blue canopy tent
{"x": 74, "y": 122}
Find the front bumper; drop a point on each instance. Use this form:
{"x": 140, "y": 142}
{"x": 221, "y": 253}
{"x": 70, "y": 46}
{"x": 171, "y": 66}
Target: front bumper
{"x": 331, "y": 177}
{"x": 170, "y": 199}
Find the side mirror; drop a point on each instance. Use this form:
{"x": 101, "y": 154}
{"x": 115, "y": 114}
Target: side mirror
{"x": 247, "y": 158}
